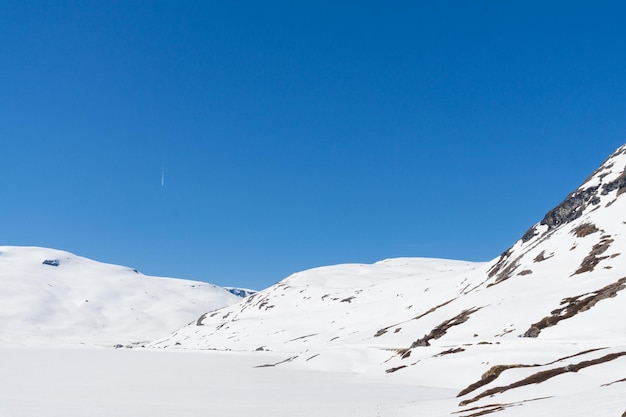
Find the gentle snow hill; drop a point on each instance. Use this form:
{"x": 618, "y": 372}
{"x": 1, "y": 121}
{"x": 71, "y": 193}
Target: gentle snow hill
{"x": 323, "y": 307}
{"x": 542, "y": 322}
{"x": 51, "y": 297}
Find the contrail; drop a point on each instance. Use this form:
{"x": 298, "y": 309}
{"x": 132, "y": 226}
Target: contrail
{"x": 163, "y": 175}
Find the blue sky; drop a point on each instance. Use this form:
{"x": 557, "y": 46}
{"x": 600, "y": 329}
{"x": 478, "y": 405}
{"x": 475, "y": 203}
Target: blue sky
{"x": 299, "y": 134}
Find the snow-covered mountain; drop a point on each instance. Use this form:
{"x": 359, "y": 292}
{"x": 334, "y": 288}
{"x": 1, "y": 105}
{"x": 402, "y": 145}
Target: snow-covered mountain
{"x": 51, "y": 297}
{"x": 537, "y": 331}
{"x": 543, "y": 324}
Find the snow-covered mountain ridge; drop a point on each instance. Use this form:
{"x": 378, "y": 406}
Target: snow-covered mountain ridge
{"x": 536, "y": 331}
{"x": 573, "y": 254}
{"x": 51, "y": 297}
{"x": 542, "y": 322}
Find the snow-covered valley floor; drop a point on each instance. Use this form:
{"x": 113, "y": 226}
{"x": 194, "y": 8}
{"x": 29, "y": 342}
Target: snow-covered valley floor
{"x": 99, "y": 382}
{"x": 106, "y": 382}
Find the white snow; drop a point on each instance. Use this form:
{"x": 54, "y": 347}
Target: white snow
{"x": 133, "y": 383}
{"x": 81, "y": 301}
{"x": 401, "y": 337}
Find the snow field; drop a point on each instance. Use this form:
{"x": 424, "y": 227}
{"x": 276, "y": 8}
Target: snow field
{"x": 141, "y": 383}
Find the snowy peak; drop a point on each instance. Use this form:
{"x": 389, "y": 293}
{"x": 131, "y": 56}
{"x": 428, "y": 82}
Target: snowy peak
{"x": 579, "y": 233}
{"x": 604, "y": 186}
{"x": 54, "y": 297}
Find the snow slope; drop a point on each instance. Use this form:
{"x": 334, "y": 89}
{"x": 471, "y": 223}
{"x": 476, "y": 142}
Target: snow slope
{"x": 74, "y": 300}
{"x": 145, "y": 383}
{"x": 538, "y": 331}
{"x": 542, "y": 324}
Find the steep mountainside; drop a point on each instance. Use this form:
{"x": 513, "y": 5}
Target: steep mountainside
{"x": 53, "y": 297}
{"x": 542, "y": 322}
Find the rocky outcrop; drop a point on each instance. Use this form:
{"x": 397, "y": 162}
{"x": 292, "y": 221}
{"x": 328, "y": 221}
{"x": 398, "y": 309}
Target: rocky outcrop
{"x": 545, "y": 375}
{"x": 610, "y": 178}
{"x": 577, "y": 202}
{"x": 571, "y": 208}
{"x": 575, "y": 305}
{"x": 442, "y": 329}
{"x": 618, "y": 184}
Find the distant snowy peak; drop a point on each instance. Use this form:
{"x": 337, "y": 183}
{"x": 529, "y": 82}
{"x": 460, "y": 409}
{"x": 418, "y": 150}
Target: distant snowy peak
{"x": 240, "y": 292}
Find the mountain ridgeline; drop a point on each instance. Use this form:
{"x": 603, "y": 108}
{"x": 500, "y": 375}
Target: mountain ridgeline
{"x": 550, "y": 305}
{"x": 573, "y": 253}
{"x": 548, "y": 312}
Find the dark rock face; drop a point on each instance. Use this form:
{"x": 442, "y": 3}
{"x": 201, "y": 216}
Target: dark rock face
{"x": 571, "y": 208}
{"x": 618, "y": 184}
{"x": 530, "y": 233}
{"x": 51, "y": 262}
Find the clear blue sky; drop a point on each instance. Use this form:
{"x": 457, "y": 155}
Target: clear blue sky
{"x": 297, "y": 134}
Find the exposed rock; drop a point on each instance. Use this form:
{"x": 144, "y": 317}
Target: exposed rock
{"x": 532, "y": 332}
{"x": 442, "y": 329}
{"x": 618, "y": 184}
{"x": 574, "y": 305}
{"x": 450, "y": 351}
{"x": 491, "y": 375}
{"x": 542, "y": 257}
{"x": 397, "y": 368}
{"x": 506, "y": 272}
{"x": 571, "y": 208}
{"x": 593, "y": 259}
{"x": 543, "y": 376}
{"x": 201, "y": 319}
{"x": 585, "y": 229}
{"x": 504, "y": 256}
{"x": 530, "y": 233}
{"x": 495, "y": 371}
{"x": 240, "y": 292}
{"x": 269, "y": 365}
{"x": 431, "y": 310}
{"x": 614, "y": 382}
